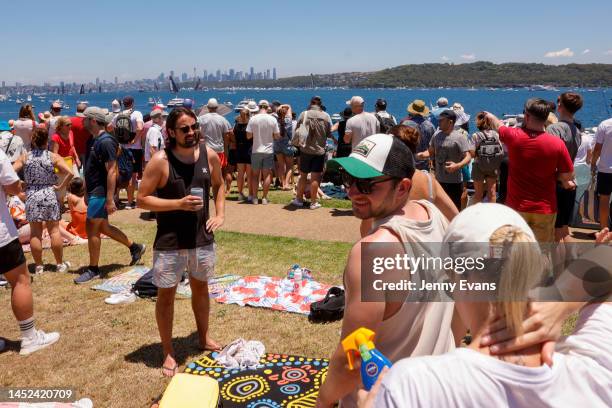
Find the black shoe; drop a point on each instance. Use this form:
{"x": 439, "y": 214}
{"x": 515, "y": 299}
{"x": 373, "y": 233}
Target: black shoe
{"x": 137, "y": 252}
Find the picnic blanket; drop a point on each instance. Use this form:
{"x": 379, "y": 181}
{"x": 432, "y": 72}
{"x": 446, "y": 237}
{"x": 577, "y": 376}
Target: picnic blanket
{"x": 281, "y": 381}
{"x": 274, "y": 293}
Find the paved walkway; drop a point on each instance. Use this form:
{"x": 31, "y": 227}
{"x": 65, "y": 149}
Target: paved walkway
{"x": 323, "y": 224}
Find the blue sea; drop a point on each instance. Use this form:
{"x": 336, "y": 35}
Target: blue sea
{"x": 596, "y": 102}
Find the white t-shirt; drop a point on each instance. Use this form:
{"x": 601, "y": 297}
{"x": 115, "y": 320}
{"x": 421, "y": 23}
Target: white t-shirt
{"x": 604, "y": 136}
{"x": 361, "y": 126}
{"x": 263, "y": 126}
{"x": 581, "y": 375}
{"x": 586, "y": 144}
{"x": 8, "y": 231}
{"x": 154, "y": 139}
{"x": 135, "y": 117}
{"x": 23, "y": 128}
{"x": 213, "y": 126}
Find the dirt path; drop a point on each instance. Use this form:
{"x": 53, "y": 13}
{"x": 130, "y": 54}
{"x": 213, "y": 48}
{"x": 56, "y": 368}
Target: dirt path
{"x": 324, "y": 224}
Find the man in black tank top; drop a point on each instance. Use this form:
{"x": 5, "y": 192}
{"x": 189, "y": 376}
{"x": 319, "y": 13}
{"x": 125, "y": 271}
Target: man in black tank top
{"x": 176, "y": 185}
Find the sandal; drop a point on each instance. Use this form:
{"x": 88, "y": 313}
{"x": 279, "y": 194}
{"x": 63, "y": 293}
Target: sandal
{"x": 173, "y": 370}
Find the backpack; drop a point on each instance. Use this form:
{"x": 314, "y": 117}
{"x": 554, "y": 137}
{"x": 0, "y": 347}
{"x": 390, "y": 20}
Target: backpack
{"x": 329, "y": 309}
{"x": 123, "y": 128}
{"x": 125, "y": 166}
{"x": 144, "y": 286}
{"x": 490, "y": 153}
{"x": 386, "y": 123}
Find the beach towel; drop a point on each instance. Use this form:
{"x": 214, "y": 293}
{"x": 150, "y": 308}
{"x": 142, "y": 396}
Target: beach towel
{"x": 280, "y": 381}
{"x": 334, "y": 191}
{"x": 274, "y": 293}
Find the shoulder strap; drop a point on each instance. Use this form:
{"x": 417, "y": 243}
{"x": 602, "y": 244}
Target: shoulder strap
{"x": 430, "y": 186}
{"x": 9, "y": 145}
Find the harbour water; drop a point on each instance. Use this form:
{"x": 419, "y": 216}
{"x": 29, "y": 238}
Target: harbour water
{"x": 596, "y": 102}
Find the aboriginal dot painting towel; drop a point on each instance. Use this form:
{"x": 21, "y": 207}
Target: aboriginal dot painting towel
{"x": 281, "y": 381}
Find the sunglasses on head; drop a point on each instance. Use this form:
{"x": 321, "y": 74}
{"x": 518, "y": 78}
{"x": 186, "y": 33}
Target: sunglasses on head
{"x": 364, "y": 186}
{"x": 185, "y": 129}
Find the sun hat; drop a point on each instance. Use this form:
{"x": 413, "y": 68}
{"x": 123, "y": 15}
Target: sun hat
{"x": 115, "y": 106}
{"x": 156, "y": 112}
{"x": 212, "y": 103}
{"x": 375, "y": 156}
{"x": 252, "y": 106}
{"x": 462, "y": 118}
{"x": 355, "y": 100}
{"x": 442, "y": 102}
{"x": 418, "y": 107}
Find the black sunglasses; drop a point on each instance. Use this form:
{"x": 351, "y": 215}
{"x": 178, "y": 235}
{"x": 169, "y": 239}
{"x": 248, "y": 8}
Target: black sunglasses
{"x": 364, "y": 186}
{"x": 185, "y": 129}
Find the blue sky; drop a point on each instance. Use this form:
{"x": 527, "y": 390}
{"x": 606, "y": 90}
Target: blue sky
{"x": 81, "y": 40}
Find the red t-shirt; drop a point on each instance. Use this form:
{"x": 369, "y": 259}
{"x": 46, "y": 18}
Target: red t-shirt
{"x": 535, "y": 160}
{"x": 64, "y": 145}
{"x": 81, "y": 135}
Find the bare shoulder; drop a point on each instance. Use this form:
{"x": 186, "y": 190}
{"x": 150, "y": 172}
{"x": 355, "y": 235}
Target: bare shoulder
{"x": 159, "y": 160}
{"x": 213, "y": 157}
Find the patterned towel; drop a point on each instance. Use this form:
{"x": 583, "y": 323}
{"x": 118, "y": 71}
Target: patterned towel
{"x": 216, "y": 285}
{"x": 281, "y": 381}
{"x": 122, "y": 282}
{"x": 274, "y": 293}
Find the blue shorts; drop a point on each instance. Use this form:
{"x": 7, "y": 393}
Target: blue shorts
{"x": 96, "y": 207}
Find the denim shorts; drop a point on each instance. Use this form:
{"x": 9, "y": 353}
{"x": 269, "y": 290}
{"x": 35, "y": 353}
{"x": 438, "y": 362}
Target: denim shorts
{"x": 168, "y": 266}
{"x": 282, "y": 146}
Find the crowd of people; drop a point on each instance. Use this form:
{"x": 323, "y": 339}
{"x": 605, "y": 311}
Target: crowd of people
{"x": 408, "y": 182}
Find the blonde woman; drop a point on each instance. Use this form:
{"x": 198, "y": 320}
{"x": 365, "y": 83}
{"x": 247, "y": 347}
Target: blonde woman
{"x": 581, "y": 371}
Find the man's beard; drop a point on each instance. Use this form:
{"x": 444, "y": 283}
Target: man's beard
{"x": 189, "y": 143}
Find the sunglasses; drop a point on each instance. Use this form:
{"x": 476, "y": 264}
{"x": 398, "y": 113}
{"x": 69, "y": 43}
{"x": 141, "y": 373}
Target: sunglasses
{"x": 364, "y": 186}
{"x": 185, "y": 129}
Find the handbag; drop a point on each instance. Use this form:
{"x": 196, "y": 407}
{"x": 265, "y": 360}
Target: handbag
{"x": 301, "y": 133}
{"x": 329, "y": 309}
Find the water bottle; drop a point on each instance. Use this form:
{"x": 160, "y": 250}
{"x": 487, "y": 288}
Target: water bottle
{"x": 297, "y": 280}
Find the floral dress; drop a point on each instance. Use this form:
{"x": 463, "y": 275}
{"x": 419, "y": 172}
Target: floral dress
{"x": 41, "y": 200}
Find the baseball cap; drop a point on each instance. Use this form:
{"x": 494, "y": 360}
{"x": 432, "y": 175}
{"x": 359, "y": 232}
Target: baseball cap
{"x": 442, "y": 102}
{"x": 115, "y": 106}
{"x": 128, "y": 100}
{"x": 376, "y": 156}
{"x": 276, "y": 103}
{"x": 381, "y": 103}
{"x": 4, "y": 126}
{"x": 418, "y": 107}
{"x": 263, "y": 102}
{"x": 98, "y": 114}
{"x": 212, "y": 103}
{"x": 347, "y": 113}
{"x": 449, "y": 114}
{"x": 188, "y": 103}
{"x": 355, "y": 100}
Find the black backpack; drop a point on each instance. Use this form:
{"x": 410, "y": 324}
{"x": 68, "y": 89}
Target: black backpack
{"x": 144, "y": 286}
{"x": 329, "y": 309}
{"x": 125, "y": 165}
{"x": 490, "y": 152}
{"x": 386, "y": 123}
{"x": 123, "y": 128}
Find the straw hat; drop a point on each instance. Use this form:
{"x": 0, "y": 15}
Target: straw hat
{"x": 418, "y": 107}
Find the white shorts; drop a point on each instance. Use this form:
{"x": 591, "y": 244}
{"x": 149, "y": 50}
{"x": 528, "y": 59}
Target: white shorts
{"x": 168, "y": 266}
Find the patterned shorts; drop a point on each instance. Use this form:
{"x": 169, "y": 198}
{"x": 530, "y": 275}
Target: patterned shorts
{"x": 168, "y": 266}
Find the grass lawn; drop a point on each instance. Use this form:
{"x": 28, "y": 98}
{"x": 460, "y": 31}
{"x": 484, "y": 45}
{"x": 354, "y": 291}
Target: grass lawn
{"x": 112, "y": 354}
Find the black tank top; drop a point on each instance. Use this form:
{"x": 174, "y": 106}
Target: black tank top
{"x": 240, "y": 133}
{"x": 184, "y": 229}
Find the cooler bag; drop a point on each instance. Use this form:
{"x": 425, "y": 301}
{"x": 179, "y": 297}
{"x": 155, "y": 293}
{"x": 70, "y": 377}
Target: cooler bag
{"x": 191, "y": 391}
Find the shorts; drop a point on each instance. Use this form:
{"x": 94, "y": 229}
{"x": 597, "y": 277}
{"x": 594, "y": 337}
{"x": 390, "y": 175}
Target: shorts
{"x": 566, "y": 200}
{"x": 243, "y": 154}
{"x": 604, "y": 183}
{"x": 96, "y": 207}
{"x": 542, "y": 225}
{"x": 138, "y": 156}
{"x": 232, "y": 158}
{"x": 12, "y": 256}
{"x": 222, "y": 159}
{"x": 168, "y": 266}
{"x": 262, "y": 161}
{"x": 282, "y": 146}
{"x": 310, "y": 163}
{"x": 479, "y": 175}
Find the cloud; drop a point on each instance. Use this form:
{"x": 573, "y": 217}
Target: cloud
{"x": 586, "y": 51}
{"x": 469, "y": 57}
{"x": 566, "y": 53}
{"x": 444, "y": 58}
{"x": 609, "y": 52}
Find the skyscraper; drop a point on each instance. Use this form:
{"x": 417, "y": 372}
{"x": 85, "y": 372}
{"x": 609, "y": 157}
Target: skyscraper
{"x": 252, "y": 74}
{"x": 218, "y": 76}
{"x": 97, "y": 81}
{"x": 231, "y": 74}
{"x": 274, "y": 73}
{"x": 184, "y": 77}
{"x": 267, "y": 74}
{"x": 205, "y": 75}
{"x": 172, "y": 73}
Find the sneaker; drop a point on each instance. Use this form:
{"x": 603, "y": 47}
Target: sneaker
{"x": 241, "y": 197}
{"x": 297, "y": 203}
{"x": 86, "y": 276}
{"x": 254, "y": 201}
{"x": 264, "y": 201}
{"x": 39, "y": 341}
{"x": 63, "y": 267}
{"x": 3, "y": 281}
{"x": 137, "y": 253}
{"x": 130, "y": 206}
{"x": 314, "y": 206}
{"x": 39, "y": 269}
{"x": 120, "y": 298}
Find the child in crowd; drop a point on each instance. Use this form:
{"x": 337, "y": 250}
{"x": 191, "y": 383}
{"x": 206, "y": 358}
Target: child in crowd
{"x": 77, "y": 207}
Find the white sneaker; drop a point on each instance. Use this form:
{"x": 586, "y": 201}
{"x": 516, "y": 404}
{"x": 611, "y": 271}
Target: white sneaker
{"x": 314, "y": 206}
{"x": 39, "y": 269}
{"x": 254, "y": 201}
{"x": 63, "y": 267}
{"x": 264, "y": 201}
{"x": 120, "y": 298}
{"x": 38, "y": 342}
{"x": 297, "y": 203}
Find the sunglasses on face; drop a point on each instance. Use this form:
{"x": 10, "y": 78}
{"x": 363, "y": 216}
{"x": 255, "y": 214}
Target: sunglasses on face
{"x": 185, "y": 129}
{"x": 364, "y": 186}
